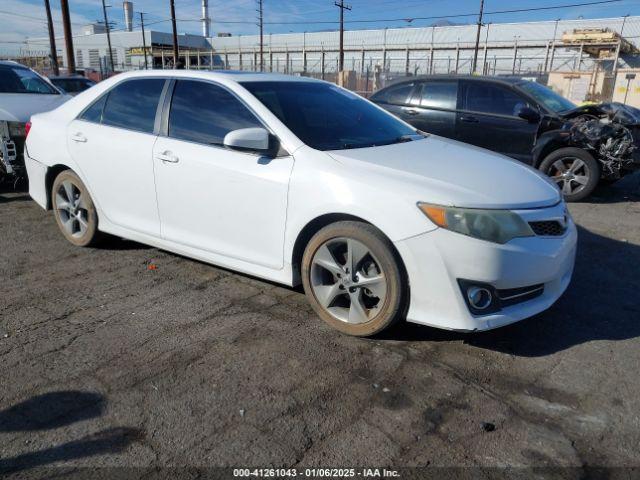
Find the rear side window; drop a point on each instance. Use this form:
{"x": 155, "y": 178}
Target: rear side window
{"x": 439, "y": 95}
{"x": 94, "y": 112}
{"x": 398, "y": 94}
{"x": 133, "y": 104}
{"x": 204, "y": 113}
{"x": 489, "y": 98}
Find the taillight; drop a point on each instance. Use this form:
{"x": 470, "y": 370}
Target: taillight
{"x": 27, "y": 128}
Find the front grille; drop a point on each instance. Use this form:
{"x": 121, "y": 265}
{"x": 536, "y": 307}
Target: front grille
{"x": 549, "y": 228}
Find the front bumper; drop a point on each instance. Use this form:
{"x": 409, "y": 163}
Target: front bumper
{"x": 437, "y": 260}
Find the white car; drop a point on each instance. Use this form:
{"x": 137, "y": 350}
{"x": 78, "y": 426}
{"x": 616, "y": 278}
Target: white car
{"x": 23, "y": 92}
{"x": 297, "y": 180}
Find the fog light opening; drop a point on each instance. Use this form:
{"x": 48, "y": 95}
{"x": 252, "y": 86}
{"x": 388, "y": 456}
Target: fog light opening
{"x": 479, "y": 298}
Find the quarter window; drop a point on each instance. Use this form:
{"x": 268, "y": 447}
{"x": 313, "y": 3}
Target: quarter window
{"x": 133, "y": 104}
{"x": 94, "y": 112}
{"x": 204, "y": 113}
{"x": 488, "y": 98}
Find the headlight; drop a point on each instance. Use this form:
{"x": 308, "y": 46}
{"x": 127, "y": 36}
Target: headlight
{"x": 497, "y": 226}
{"x": 16, "y": 129}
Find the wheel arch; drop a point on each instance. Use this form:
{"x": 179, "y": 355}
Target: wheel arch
{"x": 547, "y": 144}
{"x": 50, "y": 177}
{"x": 314, "y": 226}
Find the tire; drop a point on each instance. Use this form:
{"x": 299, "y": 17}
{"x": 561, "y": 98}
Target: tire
{"x": 575, "y": 171}
{"x": 78, "y": 222}
{"x": 363, "y": 304}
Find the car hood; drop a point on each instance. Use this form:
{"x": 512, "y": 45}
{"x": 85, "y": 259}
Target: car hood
{"x": 619, "y": 112}
{"x": 447, "y": 172}
{"x": 18, "y": 107}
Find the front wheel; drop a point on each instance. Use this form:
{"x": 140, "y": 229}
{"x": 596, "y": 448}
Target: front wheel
{"x": 574, "y": 170}
{"x": 353, "y": 278}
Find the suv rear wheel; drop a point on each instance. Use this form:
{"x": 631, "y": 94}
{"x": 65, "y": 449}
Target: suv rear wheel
{"x": 574, "y": 170}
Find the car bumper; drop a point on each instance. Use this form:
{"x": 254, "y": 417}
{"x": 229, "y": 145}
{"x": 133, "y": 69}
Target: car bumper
{"x": 436, "y": 261}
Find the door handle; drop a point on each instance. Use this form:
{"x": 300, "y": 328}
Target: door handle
{"x": 79, "y": 137}
{"x": 469, "y": 119}
{"x": 167, "y": 157}
{"x": 411, "y": 111}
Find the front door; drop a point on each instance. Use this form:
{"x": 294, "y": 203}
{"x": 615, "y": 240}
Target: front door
{"x": 487, "y": 119}
{"x": 112, "y": 144}
{"x": 213, "y": 198}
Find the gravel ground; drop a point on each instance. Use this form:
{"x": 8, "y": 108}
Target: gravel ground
{"x": 127, "y": 356}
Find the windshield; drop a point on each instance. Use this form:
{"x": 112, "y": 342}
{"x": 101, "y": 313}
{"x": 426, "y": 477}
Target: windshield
{"x": 548, "y": 98}
{"x": 22, "y": 80}
{"x": 72, "y": 85}
{"x": 326, "y": 117}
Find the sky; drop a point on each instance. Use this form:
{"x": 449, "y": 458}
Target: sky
{"x": 20, "y": 19}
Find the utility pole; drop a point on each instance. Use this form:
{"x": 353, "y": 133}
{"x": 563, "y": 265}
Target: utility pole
{"x": 52, "y": 40}
{"x": 175, "y": 34}
{"x": 144, "y": 41}
{"x": 261, "y": 24}
{"x": 106, "y": 26}
{"x": 342, "y": 7}
{"x": 68, "y": 37}
{"x": 475, "y": 52}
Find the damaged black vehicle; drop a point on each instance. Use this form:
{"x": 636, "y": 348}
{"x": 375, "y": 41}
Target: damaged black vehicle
{"x": 576, "y": 146}
{"x": 588, "y": 144}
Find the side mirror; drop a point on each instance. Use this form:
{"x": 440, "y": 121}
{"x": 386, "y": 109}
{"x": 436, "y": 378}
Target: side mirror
{"x": 256, "y": 140}
{"x": 528, "y": 114}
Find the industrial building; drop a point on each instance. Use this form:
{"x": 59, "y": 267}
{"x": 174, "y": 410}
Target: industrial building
{"x": 584, "y": 59}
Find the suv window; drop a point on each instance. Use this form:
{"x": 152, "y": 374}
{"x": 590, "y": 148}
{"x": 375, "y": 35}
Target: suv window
{"x": 204, "y": 113}
{"x": 486, "y": 97}
{"x": 439, "y": 95}
{"x": 397, "y": 94}
{"x": 132, "y": 104}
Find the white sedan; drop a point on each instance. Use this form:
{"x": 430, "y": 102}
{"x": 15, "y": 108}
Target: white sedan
{"x": 299, "y": 181}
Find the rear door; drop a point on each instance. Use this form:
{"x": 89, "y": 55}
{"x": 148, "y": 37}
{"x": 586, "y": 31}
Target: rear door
{"x": 112, "y": 143}
{"x": 433, "y": 107}
{"x": 487, "y": 118}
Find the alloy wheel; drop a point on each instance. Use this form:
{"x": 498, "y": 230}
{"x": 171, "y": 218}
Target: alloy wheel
{"x": 72, "y": 209}
{"x": 347, "y": 280}
{"x": 570, "y": 173}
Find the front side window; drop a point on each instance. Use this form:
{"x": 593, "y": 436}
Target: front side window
{"x": 22, "y": 80}
{"x": 484, "y": 97}
{"x": 204, "y": 113}
{"x": 132, "y": 104}
{"x": 326, "y": 117}
{"x": 439, "y": 95}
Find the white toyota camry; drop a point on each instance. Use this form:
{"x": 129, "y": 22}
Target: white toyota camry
{"x": 298, "y": 180}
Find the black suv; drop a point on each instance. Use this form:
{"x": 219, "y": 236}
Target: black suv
{"x": 524, "y": 120}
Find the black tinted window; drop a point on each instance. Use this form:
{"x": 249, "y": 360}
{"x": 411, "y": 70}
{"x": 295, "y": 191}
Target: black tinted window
{"x": 439, "y": 95}
{"x": 94, "y": 112}
{"x": 490, "y": 98}
{"x": 204, "y": 113}
{"x": 397, "y": 94}
{"x": 73, "y": 85}
{"x": 133, "y": 104}
{"x": 326, "y": 117}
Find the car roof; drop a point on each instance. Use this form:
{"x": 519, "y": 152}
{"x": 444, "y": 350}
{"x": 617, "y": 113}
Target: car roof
{"x": 476, "y": 78}
{"x": 223, "y": 75}
{"x": 11, "y": 63}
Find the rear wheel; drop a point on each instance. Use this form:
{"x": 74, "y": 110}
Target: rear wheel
{"x": 574, "y": 170}
{"x": 353, "y": 278}
{"x": 74, "y": 210}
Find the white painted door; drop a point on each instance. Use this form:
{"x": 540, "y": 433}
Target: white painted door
{"x": 112, "y": 144}
{"x": 212, "y": 198}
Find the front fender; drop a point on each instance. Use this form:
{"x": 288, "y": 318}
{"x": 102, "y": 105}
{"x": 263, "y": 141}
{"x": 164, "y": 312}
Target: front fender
{"x": 547, "y": 143}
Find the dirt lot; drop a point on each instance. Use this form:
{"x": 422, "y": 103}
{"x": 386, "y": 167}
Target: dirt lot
{"x": 129, "y": 356}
